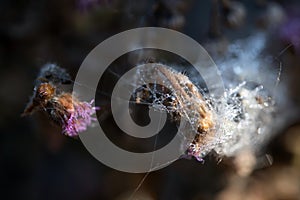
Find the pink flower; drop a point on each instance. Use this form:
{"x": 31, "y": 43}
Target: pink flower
{"x": 80, "y": 118}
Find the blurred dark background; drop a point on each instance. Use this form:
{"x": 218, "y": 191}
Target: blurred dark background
{"x": 38, "y": 162}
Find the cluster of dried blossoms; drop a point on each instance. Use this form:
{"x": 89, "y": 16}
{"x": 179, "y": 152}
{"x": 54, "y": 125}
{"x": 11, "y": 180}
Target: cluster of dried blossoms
{"x": 65, "y": 110}
{"x": 240, "y": 119}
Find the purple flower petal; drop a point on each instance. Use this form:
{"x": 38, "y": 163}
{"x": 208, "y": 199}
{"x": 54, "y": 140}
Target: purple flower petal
{"x": 80, "y": 118}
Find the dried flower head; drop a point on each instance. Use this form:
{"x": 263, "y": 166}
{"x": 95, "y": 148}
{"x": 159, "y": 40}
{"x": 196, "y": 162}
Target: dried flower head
{"x": 240, "y": 119}
{"x": 181, "y": 99}
{"x": 65, "y": 110}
